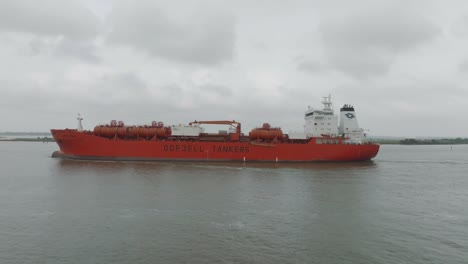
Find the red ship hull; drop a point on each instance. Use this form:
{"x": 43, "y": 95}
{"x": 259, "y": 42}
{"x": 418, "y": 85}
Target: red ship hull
{"x": 84, "y": 145}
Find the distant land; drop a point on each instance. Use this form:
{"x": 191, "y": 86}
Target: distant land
{"x": 38, "y": 139}
{"x": 47, "y": 137}
{"x": 440, "y": 141}
{"x": 26, "y": 136}
{"x": 420, "y": 141}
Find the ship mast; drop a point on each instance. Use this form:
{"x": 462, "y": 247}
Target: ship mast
{"x": 327, "y": 104}
{"x": 80, "y": 125}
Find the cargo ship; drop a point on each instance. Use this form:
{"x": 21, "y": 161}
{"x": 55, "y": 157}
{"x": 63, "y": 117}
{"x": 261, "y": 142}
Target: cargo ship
{"x": 324, "y": 139}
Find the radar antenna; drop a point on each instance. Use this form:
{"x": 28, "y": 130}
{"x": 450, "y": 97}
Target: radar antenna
{"x": 80, "y": 125}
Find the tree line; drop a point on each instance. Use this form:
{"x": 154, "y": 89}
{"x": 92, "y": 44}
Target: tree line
{"x": 441, "y": 141}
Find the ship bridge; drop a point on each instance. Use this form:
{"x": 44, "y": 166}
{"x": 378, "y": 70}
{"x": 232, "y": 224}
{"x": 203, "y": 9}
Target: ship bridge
{"x": 321, "y": 121}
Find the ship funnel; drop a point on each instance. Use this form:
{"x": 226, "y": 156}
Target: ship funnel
{"x": 80, "y": 125}
{"x": 349, "y": 125}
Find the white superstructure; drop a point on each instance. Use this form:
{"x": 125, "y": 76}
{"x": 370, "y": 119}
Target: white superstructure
{"x": 324, "y": 122}
{"x": 321, "y": 122}
{"x": 184, "y": 130}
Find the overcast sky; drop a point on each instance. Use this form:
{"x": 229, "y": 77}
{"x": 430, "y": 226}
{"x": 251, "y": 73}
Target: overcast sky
{"x": 402, "y": 64}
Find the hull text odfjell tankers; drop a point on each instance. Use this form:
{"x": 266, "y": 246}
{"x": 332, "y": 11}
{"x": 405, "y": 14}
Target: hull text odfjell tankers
{"x": 322, "y": 140}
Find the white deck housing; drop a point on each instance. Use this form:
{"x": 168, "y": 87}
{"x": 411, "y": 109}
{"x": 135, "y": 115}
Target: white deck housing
{"x": 188, "y": 131}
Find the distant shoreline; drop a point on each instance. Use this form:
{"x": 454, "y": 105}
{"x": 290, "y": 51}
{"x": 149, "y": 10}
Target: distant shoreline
{"x": 38, "y": 139}
{"x": 412, "y": 141}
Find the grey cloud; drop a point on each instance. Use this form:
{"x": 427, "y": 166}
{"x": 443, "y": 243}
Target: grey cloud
{"x": 365, "y": 43}
{"x": 203, "y": 37}
{"x": 110, "y": 89}
{"x": 387, "y": 29}
{"x": 53, "y": 27}
{"x": 63, "y": 47}
{"x": 310, "y": 66}
{"x": 81, "y": 50}
{"x": 361, "y": 63}
{"x": 217, "y": 89}
{"x": 172, "y": 89}
{"x": 194, "y": 96}
{"x": 463, "y": 66}
{"x": 37, "y": 46}
{"x": 25, "y": 98}
{"x": 120, "y": 87}
{"x": 460, "y": 26}
{"x": 177, "y": 61}
{"x": 48, "y": 18}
